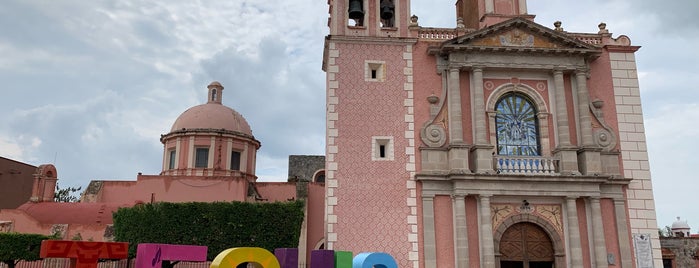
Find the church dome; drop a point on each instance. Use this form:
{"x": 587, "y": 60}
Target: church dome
{"x": 680, "y": 225}
{"x": 212, "y": 115}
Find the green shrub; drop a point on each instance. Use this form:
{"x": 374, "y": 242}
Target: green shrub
{"x": 15, "y": 247}
{"x": 219, "y": 225}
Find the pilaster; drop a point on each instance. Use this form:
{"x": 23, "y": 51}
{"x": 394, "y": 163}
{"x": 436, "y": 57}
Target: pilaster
{"x": 565, "y": 152}
{"x": 598, "y": 233}
{"x": 576, "y": 259}
{"x": 429, "y": 240}
{"x": 589, "y": 157}
{"x": 461, "y": 231}
{"x": 458, "y": 150}
{"x": 623, "y": 233}
{"x": 488, "y": 246}
{"x": 482, "y": 151}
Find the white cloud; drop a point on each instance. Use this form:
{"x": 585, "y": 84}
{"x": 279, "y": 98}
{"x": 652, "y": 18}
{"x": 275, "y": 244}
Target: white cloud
{"x": 11, "y": 149}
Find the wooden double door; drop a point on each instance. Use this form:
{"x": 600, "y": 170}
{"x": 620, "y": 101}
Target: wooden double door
{"x": 526, "y": 245}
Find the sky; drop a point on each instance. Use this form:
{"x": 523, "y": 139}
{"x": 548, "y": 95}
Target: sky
{"x": 90, "y": 86}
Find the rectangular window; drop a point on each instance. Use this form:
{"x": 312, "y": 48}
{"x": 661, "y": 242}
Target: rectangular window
{"x": 202, "y": 158}
{"x": 172, "y": 159}
{"x": 382, "y": 148}
{"x": 374, "y": 71}
{"x": 235, "y": 160}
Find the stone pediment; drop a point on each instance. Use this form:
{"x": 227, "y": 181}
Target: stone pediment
{"x": 518, "y": 35}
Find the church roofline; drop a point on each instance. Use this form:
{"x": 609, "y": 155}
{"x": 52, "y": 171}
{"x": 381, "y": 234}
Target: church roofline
{"x": 461, "y": 43}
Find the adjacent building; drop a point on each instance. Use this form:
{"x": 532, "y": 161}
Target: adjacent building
{"x": 497, "y": 143}
{"x": 209, "y": 155}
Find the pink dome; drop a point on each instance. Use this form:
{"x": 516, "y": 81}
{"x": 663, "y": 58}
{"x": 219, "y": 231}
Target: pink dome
{"x": 212, "y": 116}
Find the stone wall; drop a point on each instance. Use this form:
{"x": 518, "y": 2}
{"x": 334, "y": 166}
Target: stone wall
{"x": 303, "y": 167}
{"x": 685, "y": 250}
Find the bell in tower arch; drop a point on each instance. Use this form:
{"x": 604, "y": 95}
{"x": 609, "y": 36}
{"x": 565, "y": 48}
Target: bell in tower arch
{"x": 387, "y": 9}
{"x": 356, "y": 12}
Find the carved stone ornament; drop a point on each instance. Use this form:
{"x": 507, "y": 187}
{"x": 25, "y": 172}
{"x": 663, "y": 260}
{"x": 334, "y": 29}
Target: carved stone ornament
{"x": 605, "y": 136}
{"x": 434, "y": 135}
{"x": 517, "y": 39}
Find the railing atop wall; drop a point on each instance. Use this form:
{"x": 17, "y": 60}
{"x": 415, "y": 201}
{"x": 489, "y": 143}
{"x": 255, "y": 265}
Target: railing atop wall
{"x": 525, "y": 165}
{"x": 592, "y": 39}
{"x": 437, "y": 33}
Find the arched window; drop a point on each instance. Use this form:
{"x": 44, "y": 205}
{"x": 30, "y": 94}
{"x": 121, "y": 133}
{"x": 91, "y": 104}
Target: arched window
{"x": 517, "y": 128}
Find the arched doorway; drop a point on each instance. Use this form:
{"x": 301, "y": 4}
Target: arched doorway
{"x": 526, "y": 245}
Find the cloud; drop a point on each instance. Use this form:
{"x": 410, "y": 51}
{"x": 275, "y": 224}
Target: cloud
{"x": 282, "y": 102}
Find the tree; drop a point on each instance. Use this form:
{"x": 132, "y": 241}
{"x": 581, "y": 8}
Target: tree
{"x": 17, "y": 247}
{"x": 665, "y": 232}
{"x": 66, "y": 195}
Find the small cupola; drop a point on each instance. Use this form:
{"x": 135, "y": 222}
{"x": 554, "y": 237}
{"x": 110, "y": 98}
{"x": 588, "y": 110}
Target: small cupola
{"x": 215, "y": 92}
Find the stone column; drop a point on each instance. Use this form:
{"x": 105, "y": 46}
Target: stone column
{"x": 428, "y": 231}
{"x": 576, "y": 258}
{"x": 564, "y": 150}
{"x": 589, "y": 156}
{"x": 482, "y": 151}
{"x": 458, "y": 150}
{"x": 456, "y": 133}
{"x": 479, "y": 106}
{"x": 598, "y": 233}
{"x": 488, "y": 246}
{"x": 563, "y": 132}
{"x": 623, "y": 233}
{"x": 584, "y": 108}
{"x": 461, "y": 231}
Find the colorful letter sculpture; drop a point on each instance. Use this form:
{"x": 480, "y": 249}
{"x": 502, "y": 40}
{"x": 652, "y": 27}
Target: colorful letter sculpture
{"x": 153, "y": 255}
{"x": 374, "y": 259}
{"x": 233, "y": 257}
{"x": 83, "y": 254}
{"x": 322, "y": 258}
{"x": 343, "y": 259}
{"x": 287, "y": 257}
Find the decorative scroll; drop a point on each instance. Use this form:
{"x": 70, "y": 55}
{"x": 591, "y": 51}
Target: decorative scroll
{"x": 434, "y": 131}
{"x": 604, "y": 137}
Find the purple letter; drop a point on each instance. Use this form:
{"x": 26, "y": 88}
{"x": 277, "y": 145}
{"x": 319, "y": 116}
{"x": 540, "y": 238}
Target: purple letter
{"x": 153, "y": 255}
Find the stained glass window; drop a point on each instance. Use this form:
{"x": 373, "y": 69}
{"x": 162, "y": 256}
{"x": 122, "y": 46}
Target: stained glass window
{"x": 516, "y": 124}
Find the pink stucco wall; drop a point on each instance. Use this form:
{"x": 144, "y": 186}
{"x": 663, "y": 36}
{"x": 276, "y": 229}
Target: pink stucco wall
{"x": 444, "y": 235}
{"x": 174, "y": 189}
{"x": 609, "y": 224}
{"x": 277, "y": 191}
{"x": 473, "y": 234}
{"x": 24, "y": 223}
{"x": 315, "y": 216}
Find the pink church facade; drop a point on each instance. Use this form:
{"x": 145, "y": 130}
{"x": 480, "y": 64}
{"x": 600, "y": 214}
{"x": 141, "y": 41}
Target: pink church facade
{"x": 498, "y": 143}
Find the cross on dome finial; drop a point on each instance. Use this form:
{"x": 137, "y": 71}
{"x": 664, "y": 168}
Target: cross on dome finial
{"x": 215, "y": 92}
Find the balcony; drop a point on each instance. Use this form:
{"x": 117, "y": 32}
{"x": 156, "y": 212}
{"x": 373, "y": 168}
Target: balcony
{"x": 525, "y": 165}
